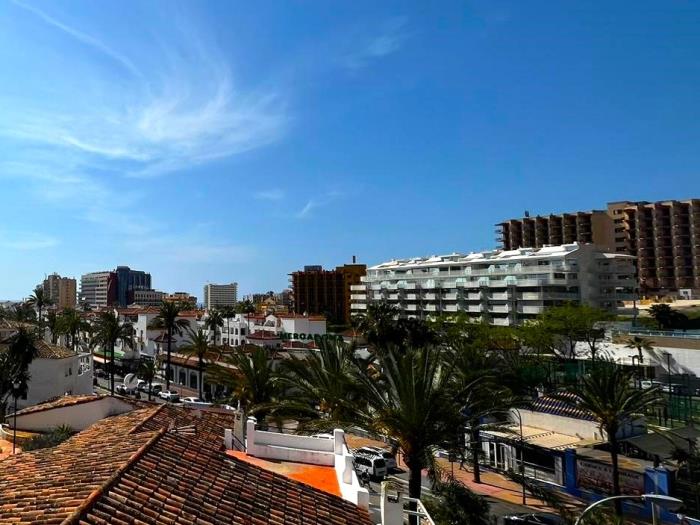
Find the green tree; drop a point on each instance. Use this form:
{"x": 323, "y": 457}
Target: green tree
{"x": 55, "y": 436}
{"x": 168, "y": 320}
{"x": 213, "y": 322}
{"x": 666, "y": 317}
{"x": 410, "y": 401}
{"x": 245, "y": 307}
{"x": 573, "y": 323}
{"x": 250, "y": 377}
{"x": 71, "y": 323}
{"x": 38, "y": 300}
{"x": 197, "y": 345}
{"x": 148, "y": 370}
{"x": 605, "y": 393}
{"x": 640, "y": 344}
{"x": 319, "y": 384}
{"x": 379, "y": 325}
{"x": 108, "y": 331}
{"x": 15, "y": 359}
{"x": 454, "y": 504}
{"x": 53, "y": 324}
{"x": 20, "y": 313}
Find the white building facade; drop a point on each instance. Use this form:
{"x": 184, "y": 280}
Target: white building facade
{"x": 218, "y": 295}
{"x": 500, "y": 287}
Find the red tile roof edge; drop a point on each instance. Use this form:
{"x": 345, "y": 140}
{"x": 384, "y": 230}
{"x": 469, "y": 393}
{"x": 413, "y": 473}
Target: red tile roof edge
{"x": 96, "y": 494}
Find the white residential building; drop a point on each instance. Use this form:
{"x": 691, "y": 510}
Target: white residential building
{"x": 217, "y": 295}
{"x": 56, "y": 371}
{"x": 98, "y": 288}
{"x": 502, "y": 287}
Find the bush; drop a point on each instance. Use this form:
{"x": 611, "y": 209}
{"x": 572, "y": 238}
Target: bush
{"x": 56, "y": 436}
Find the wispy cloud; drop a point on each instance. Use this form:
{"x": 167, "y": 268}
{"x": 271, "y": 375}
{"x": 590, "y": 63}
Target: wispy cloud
{"x": 185, "y": 112}
{"x": 274, "y": 194}
{"x": 383, "y": 43}
{"x": 81, "y": 37}
{"x": 313, "y": 204}
{"x": 26, "y": 241}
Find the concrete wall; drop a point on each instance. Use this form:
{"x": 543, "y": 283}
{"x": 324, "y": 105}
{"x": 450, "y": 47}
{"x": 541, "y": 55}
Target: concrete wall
{"x": 563, "y": 425}
{"x": 315, "y": 451}
{"x": 78, "y": 417}
{"x": 50, "y": 378}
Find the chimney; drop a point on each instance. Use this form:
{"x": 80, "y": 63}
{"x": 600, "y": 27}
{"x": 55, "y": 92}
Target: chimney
{"x": 354, "y": 259}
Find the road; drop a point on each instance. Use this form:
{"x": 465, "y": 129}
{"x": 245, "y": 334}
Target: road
{"x": 103, "y": 388}
{"x": 497, "y": 508}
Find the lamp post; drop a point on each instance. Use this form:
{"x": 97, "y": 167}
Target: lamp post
{"x": 522, "y": 452}
{"x": 636, "y": 370}
{"x": 15, "y": 391}
{"x": 653, "y": 498}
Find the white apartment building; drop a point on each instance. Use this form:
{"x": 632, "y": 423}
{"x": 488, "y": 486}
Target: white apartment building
{"x": 95, "y": 288}
{"x": 501, "y": 287}
{"x": 217, "y": 295}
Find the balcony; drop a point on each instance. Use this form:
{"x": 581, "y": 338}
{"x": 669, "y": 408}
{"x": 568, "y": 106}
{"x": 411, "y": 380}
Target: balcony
{"x": 358, "y": 287}
{"x": 450, "y": 296}
{"x": 358, "y": 297}
{"x": 499, "y": 308}
{"x": 393, "y": 297}
{"x": 411, "y": 307}
{"x": 450, "y": 308}
{"x": 499, "y": 296}
{"x": 358, "y": 306}
{"x": 429, "y": 296}
{"x": 531, "y": 309}
{"x": 472, "y": 296}
{"x": 431, "y": 308}
{"x": 475, "y": 308}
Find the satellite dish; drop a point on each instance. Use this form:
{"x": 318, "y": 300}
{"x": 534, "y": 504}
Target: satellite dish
{"x": 130, "y": 380}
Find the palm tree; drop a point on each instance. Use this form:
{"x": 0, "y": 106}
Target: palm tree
{"x": 321, "y": 379}
{"x": 607, "y": 396}
{"x": 410, "y": 402}
{"x": 14, "y": 365}
{"x": 21, "y": 313}
{"x": 38, "y": 300}
{"x": 245, "y": 307}
{"x": 214, "y": 321}
{"x": 250, "y": 377}
{"x": 148, "y": 371}
{"x": 167, "y": 319}
{"x": 640, "y": 343}
{"x": 71, "y": 323}
{"x": 53, "y": 324}
{"x": 197, "y": 345}
{"x": 379, "y": 325}
{"x": 109, "y": 330}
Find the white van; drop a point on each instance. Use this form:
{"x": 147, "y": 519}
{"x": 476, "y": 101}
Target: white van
{"x": 372, "y": 465}
{"x": 380, "y": 453}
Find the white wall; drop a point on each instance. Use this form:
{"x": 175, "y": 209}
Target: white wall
{"x": 50, "y": 378}
{"x": 78, "y": 417}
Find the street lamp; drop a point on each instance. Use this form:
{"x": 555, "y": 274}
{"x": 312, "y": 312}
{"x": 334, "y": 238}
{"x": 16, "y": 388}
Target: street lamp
{"x": 522, "y": 452}
{"x": 653, "y": 498}
{"x": 15, "y": 391}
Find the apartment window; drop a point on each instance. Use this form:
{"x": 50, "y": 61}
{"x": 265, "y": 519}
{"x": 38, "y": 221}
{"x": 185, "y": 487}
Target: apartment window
{"x": 242, "y": 331}
{"x": 559, "y": 276}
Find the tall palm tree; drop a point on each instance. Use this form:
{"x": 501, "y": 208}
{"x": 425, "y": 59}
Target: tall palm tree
{"x": 214, "y": 321}
{"x": 379, "y": 325}
{"x": 320, "y": 383}
{"x": 148, "y": 371}
{"x": 14, "y": 365}
{"x": 38, "y": 300}
{"x": 53, "y": 324}
{"x": 641, "y": 344}
{"x": 197, "y": 345}
{"x": 410, "y": 402}
{"x": 109, "y": 330}
{"x": 605, "y": 393}
{"x": 167, "y": 319}
{"x": 250, "y": 377}
{"x": 71, "y": 323}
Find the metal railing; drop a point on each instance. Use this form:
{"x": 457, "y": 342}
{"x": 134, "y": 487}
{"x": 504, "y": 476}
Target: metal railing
{"x": 421, "y": 512}
{"x": 658, "y": 333}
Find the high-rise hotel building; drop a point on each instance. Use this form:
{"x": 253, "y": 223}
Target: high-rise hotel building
{"x": 664, "y": 236}
{"x": 503, "y": 287}
{"x": 61, "y": 291}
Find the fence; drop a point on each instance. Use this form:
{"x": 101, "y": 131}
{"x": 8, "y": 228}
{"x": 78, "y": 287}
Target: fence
{"x": 678, "y": 411}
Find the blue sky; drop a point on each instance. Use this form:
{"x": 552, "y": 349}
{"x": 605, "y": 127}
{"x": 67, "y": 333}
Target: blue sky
{"x": 219, "y": 140}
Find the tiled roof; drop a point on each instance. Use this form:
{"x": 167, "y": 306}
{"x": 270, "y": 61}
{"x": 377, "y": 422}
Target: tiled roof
{"x": 158, "y": 465}
{"x": 60, "y": 402}
{"x": 48, "y": 351}
{"x": 560, "y": 407}
{"x": 48, "y": 485}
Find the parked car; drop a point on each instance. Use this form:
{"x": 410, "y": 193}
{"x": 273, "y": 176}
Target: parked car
{"x": 142, "y": 385}
{"x": 534, "y": 518}
{"x": 125, "y": 389}
{"x": 371, "y": 466}
{"x": 387, "y": 456}
{"x": 156, "y": 388}
{"x": 170, "y": 395}
{"x": 101, "y": 372}
{"x": 195, "y": 402}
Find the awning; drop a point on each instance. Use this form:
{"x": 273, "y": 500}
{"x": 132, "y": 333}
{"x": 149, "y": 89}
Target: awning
{"x": 539, "y": 437}
{"x": 663, "y": 442}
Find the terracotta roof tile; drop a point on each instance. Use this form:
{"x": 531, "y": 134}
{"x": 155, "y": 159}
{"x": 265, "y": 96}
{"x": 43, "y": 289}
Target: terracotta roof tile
{"x": 136, "y": 468}
{"x": 60, "y": 402}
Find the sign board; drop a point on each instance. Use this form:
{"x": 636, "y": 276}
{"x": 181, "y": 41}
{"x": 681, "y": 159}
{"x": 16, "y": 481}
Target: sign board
{"x": 598, "y": 476}
{"x": 285, "y": 336}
